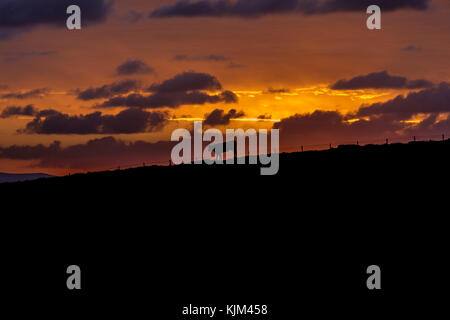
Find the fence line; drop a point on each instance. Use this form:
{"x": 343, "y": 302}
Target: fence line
{"x": 141, "y": 164}
{"x": 309, "y": 147}
{"x": 379, "y": 141}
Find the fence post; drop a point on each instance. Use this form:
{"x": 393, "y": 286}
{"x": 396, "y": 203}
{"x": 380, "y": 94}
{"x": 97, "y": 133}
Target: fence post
{"x": 331, "y": 146}
{"x": 302, "y": 148}
{"x": 414, "y": 138}
{"x": 387, "y": 141}
{"x": 357, "y": 142}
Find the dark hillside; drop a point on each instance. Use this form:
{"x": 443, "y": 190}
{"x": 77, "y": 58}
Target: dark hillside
{"x": 313, "y": 228}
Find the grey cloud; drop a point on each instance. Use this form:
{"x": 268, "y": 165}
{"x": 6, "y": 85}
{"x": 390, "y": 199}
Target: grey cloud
{"x": 26, "y": 95}
{"x": 126, "y": 122}
{"x": 109, "y": 90}
{"x": 432, "y": 100}
{"x": 131, "y": 67}
{"x": 380, "y": 80}
{"x": 275, "y": 91}
{"x": 13, "y": 111}
{"x": 265, "y": 116}
{"x": 331, "y": 126}
{"x": 187, "y": 81}
{"x": 219, "y": 117}
{"x": 21, "y": 13}
{"x": 184, "y": 89}
{"x": 323, "y": 127}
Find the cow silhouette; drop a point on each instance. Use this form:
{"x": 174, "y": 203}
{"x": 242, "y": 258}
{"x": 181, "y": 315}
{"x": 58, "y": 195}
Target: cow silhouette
{"x": 220, "y": 148}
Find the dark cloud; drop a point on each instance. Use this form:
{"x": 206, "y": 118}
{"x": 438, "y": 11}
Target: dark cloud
{"x": 430, "y": 127}
{"x": 102, "y": 153}
{"x": 331, "y": 127}
{"x": 26, "y": 95}
{"x": 265, "y": 116}
{"x": 276, "y": 91}
{"x": 329, "y": 6}
{"x": 219, "y": 117}
{"x": 20, "y": 16}
{"x": 255, "y": 8}
{"x": 131, "y": 67}
{"x": 109, "y": 90}
{"x": 134, "y": 121}
{"x": 30, "y": 13}
{"x": 170, "y": 100}
{"x": 13, "y": 111}
{"x": 126, "y": 122}
{"x": 323, "y": 127}
{"x": 183, "y": 89}
{"x": 380, "y": 80}
{"x": 432, "y": 100}
{"x": 223, "y": 8}
{"x": 210, "y": 57}
{"x": 187, "y": 81}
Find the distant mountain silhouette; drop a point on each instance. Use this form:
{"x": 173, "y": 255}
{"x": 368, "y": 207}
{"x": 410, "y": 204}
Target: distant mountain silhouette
{"x": 12, "y": 177}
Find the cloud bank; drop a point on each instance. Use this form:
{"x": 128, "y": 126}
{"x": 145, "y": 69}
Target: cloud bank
{"x": 390, "y": 119}
{"x": 432, "y": 100}
{"x": 257, "y": 8}
{"x": 23, "y": 15}
{"x": 126, "y": 122}
{"x": 188, "y": 88}
{"x": 95, "y": 154}
{"x": 35, "y": 93}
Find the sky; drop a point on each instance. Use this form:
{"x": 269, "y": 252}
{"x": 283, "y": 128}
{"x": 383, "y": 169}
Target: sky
{"x": 111, "y": 93}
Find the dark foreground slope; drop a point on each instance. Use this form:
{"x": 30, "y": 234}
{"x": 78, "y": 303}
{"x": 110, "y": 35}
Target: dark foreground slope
{"x": 157, "y": 237}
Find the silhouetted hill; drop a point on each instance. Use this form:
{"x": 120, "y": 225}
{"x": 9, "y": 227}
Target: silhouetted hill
{"x": 314, "y": 227}
{"x": 360, "y": 162}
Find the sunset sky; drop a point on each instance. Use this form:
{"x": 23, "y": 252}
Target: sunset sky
{"x": 112, "y": 93}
